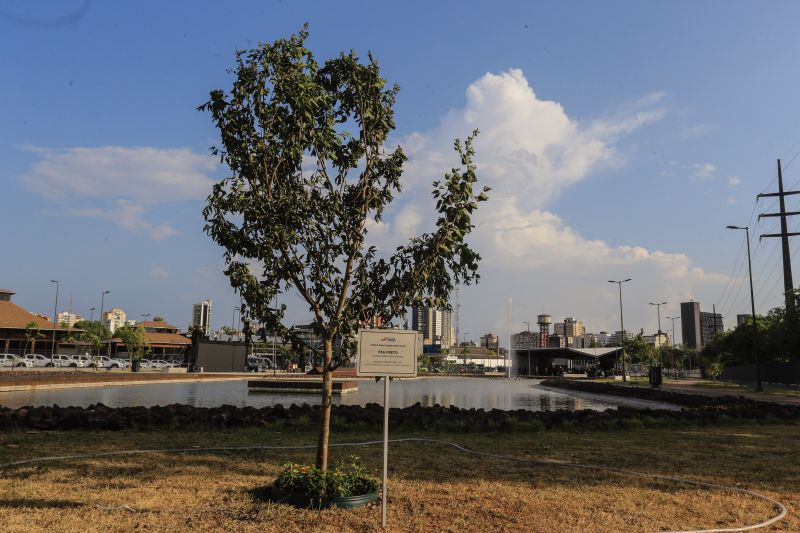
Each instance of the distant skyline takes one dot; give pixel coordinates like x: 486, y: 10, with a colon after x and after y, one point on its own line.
x: 619, y: 139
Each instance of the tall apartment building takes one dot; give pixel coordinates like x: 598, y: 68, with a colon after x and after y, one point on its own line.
x: 434, y: 324
x: 114, y: 319
x: 490, y: 341
x: 569, y: 328
x: 571, y: 331
x: 69, y: 318
x: 201, y: 316
x: 698, y: 327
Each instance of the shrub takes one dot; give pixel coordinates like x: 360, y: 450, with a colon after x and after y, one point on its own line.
x: 344, y: 479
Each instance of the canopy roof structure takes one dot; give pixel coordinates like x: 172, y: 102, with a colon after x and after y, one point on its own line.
x: 575, y: 353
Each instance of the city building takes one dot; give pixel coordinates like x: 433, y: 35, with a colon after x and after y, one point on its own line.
x: 435, y: 325
x: 201, y: 316
x: 114, y: 319
x: 698, y: 327
x: 490, y: 341
x: 69, y: 318
x: 659, y: 340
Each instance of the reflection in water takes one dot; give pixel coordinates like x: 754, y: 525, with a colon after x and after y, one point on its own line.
x: 462, y: 392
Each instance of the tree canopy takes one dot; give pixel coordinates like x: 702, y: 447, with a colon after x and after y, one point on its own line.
x: 311, y: 165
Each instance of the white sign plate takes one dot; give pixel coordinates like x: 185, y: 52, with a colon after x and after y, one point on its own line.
x: 388, y: 352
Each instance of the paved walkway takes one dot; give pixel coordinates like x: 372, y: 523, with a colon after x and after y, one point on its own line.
x: 689, y: 386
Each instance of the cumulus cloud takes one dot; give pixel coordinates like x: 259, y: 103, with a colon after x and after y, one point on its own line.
x: 704, y: 171
x: 734, y: 181
x: 528, y: 146
x: 529, y: 151
x: 142, y: 174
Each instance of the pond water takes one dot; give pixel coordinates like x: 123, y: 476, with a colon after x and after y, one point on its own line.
x: 461, y: 392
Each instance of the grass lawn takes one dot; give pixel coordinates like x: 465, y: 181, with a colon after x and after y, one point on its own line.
x: 432, y: 487
x: 739, y: 387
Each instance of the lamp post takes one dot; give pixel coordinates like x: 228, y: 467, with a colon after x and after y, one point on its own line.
x: 144, y: 316
x: 622, y: 327
x: 464, y: 347
x: 274, y: 365
x: 102, y: 302
x: 233, y: 321
x: 91, y: 314
x: 658, y: 335
x: 55, y: 318
x: 673, y: 318
x: 752, y: 307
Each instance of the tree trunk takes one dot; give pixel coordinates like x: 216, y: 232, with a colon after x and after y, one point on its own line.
x: 325, y: 407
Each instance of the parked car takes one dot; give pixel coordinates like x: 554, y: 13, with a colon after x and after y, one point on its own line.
x: 80, y: 361
x: 146, y: 363
x: 38, y: 360
x: 10, y: 360
x: 60, y: 360
x: 107, y: 362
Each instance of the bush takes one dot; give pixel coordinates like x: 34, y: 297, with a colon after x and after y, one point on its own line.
x: 345, y: 479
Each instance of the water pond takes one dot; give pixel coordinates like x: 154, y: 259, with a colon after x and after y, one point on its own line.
x: 461, y: 392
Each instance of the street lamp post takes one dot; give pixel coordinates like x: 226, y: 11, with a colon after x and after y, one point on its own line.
x: 233, y: 321
x: 144, y: 316
x: 673, y: 318
x: 660, y: 351
x: 102, y: 302
x: 622, y: 327
x: 91, y: 314
x: 752, y: 307
x: 464, y: 347
x: 55, y: 318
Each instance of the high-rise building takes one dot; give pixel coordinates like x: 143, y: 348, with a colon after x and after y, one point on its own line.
x: 490, y: 341
x: 69, y: 318
x: 201, y: 316
x: 434, y: 324
x: 114, y: 319
x: 698, y: 327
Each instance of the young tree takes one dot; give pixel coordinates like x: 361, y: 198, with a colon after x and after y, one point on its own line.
x: 133, y: 339
x: 32, y: 332
x: 306, y: 145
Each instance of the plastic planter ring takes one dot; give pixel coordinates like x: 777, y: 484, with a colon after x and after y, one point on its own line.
x: 321, y: 502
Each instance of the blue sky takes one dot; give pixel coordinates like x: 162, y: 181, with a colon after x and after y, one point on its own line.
x: 620, y: 138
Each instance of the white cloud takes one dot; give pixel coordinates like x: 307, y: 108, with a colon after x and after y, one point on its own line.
x: 704, y: 171
x: 731, y: 200
x: 529, y: 151
x: 128, y: 216
x: 734, y: 181
x: 143, y: 174
x: 134, y: 177
x: 527, y: 147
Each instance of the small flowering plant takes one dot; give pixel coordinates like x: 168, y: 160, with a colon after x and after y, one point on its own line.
x: 344, y: 479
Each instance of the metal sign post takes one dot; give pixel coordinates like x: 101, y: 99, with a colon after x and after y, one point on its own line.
x: 387, y: 353
x: 385, y: 449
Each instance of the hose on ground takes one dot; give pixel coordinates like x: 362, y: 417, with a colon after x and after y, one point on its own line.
x: 778, y: 506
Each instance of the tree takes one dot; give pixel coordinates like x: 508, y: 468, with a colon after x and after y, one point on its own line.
x: 158, y: 318
x: 133, y: 339
x: 306, y: 145
x: 32, y: 332
x: 95, y: 327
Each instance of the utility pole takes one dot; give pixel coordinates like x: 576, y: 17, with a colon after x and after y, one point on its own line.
x: 788, y: 286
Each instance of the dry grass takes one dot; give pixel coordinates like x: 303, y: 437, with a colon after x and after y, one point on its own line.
x: 432, y: 487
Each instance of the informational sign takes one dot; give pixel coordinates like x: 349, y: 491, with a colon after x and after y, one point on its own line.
x: 388, y: 352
